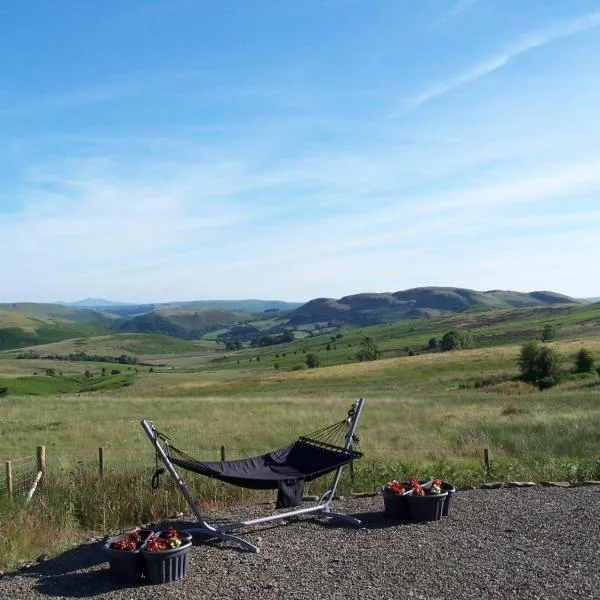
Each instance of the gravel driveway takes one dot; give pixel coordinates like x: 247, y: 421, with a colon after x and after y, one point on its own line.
x: 509, y: 543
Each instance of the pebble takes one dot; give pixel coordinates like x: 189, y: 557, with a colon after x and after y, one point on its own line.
x: 531, y: 542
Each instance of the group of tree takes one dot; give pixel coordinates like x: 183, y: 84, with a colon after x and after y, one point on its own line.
x: 456, y: 340
x: 368, y: 350
x: 541, y: 365
x: 123, y: 359
x: 272, y: 340
x: 233, y: 342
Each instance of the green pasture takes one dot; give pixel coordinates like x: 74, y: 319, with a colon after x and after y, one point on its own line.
x: 420, y: 410
x: 427, y: 415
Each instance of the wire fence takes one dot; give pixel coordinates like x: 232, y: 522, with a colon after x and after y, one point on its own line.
x: 19, y: 475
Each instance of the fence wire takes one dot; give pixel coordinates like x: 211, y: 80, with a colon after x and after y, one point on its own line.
x: 23, y: 471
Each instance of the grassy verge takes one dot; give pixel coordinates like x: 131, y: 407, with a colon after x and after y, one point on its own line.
x: 71, y: 506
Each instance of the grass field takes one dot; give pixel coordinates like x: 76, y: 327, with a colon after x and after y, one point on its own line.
x: 430, y: 414
x: 427, y: 407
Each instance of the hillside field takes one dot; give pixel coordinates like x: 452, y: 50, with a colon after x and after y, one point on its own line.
x: 422, y: 410
x: 427, y: 414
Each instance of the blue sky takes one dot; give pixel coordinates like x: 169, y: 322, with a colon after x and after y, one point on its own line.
x: 191, y: 149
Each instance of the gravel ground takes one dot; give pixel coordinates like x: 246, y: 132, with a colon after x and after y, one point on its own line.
x: 508, y: 543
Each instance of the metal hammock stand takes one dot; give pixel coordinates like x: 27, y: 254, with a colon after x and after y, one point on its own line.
x: 285, y: 469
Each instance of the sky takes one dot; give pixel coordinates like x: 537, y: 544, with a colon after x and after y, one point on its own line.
x: 162, y: 150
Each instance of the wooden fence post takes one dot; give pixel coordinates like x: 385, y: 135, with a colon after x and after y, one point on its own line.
x: 222, y: 453
x: 41, y: 459
x: 101, y: 461
x: 486, y: 459
x: 9, y: 479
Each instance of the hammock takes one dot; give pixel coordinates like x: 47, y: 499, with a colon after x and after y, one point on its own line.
x: 311, y: 456
x: 285, y: 469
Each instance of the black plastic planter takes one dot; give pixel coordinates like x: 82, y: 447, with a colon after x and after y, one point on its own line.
x: 127, y: 565
x: 396, y: 505
x: 427, y: 508
x: 449, y: 489
x: 167, y: 565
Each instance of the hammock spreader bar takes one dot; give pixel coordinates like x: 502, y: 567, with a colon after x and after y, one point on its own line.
x: 285, y: 469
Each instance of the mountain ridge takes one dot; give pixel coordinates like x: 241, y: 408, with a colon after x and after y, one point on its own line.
x: 25, y: 324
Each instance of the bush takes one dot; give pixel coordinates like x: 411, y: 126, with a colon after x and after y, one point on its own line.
x: 585, y: 362
x: 548, y: 333
x: 368, y: 350
x: 312, y: 361
x: 539, y: 364
x: 456, y: 340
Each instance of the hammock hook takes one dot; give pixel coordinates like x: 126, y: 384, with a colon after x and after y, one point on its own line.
x: 156, y: 478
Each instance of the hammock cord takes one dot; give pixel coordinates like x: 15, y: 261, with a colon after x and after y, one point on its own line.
x: 332, y: 437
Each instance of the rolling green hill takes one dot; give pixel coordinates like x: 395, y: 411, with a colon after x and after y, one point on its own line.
x: 371, y: 309
x: 27, y: 324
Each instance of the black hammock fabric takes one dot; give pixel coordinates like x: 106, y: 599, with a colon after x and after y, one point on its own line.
x: 303, y: 460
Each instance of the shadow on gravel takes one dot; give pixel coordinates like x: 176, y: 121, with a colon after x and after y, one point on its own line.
x: 81, y: 585
x: 75, y: 573
x: 368, y: 520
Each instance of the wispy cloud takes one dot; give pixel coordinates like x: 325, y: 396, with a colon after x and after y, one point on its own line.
x: 528, y: 42
x: 206, y: 229
x: 459, y: 7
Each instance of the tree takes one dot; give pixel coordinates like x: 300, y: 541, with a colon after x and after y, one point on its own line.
x: 368, y: 350
x: 432, y: 344
x: 528, y: 361
x: 585, y: 361
x: 456, y: 340
x: 312, y: 361
x: 539, y: 364
x: 548, y: 333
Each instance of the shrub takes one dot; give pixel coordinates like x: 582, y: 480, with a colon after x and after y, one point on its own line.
x: 456, y: 340
x: 539, y: 364
x: 312, y: 361
x: 585, y: 361
x: 368, y: 350
x: 548, y: 333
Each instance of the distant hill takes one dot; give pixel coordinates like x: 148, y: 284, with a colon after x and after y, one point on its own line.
x: 94, y: 303
x: 373, y: 309
x: 132, y: 309
x: 26, y: 324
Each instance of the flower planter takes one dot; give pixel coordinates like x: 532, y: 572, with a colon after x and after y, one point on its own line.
x: 449, y: 489
x: 167, y: 565
x: 446, y: 487
x: 396, y: 505
x: 127, y: 565
x: 426, y: 508
x: 184, y: 536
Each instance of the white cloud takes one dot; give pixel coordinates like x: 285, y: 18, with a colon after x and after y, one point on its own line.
x: 528, y: 42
